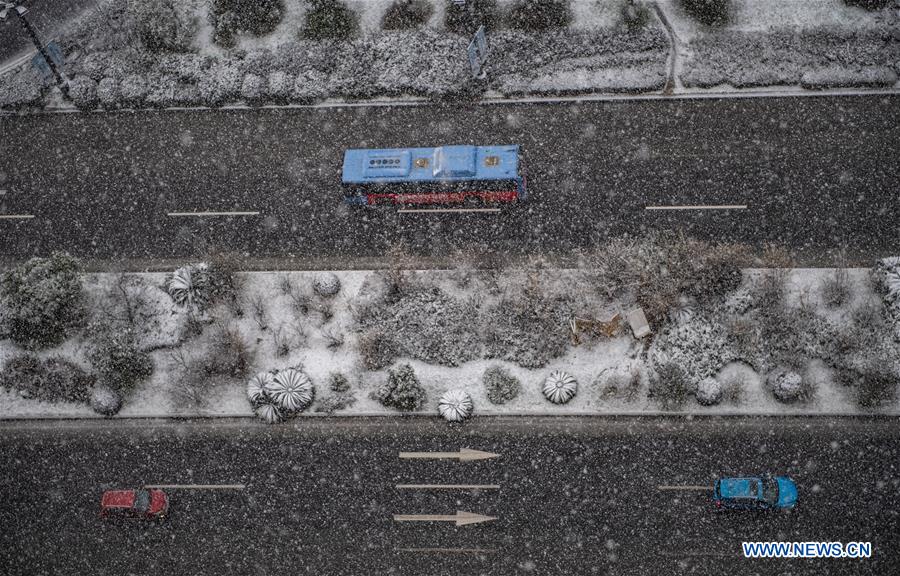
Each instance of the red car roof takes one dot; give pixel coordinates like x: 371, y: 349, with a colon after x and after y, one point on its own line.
x: 118, y: 499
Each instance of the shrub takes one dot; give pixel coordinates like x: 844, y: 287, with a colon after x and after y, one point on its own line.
x: 718, y: 273
x: 465, y: 19
x: 329, y: 19
x: 876, y: 385
x: 785, y: 385
x: 709, y: 391
x: 160, y: 26
x: 258, y: 17
x: 377, y: 350
x: 635, y: 14
x: 116, y: 358
x: 83, y: 92
x: 709, y: 12
x: 51, y: 380
x: 327, y: 284
x: 405, y: 14
x: 226, y: 353
x: 869, y: 4
x: 42, y: 301
x: 669, y: 385
x: 560, y: 387
x: 105, y: 401
x: 337, y: 382
x: 402, y: 390
x: 836, y: 288
x: 501, y: 386
x: 539, y: 15
x: 620, y: 384
x: 335, y: 402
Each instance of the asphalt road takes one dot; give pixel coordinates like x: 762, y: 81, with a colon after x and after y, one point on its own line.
x: 576, y: 496
x: 817, y: 173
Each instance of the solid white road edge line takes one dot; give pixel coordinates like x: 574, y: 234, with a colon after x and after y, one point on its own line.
x: 700, y: 207
x: 176, y: 214
x: 684, y: 487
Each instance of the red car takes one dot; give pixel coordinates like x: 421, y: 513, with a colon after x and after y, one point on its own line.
x: 146, y: 504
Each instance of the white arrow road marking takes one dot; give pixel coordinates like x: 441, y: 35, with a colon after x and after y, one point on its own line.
x: 448, y: 486
x: 198, y: 486
x: 700, y: 207
x: 440, y: 210
x: 177, y: 214
x: 686, y: 487
x: 464, y: 455
x: 460, y: 518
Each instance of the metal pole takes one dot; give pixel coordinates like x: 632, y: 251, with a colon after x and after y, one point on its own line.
x: 63, y: 86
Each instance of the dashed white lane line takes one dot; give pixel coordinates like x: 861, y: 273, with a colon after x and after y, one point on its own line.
x: 450, y: 210
x: 448, y: 486
x: 449, y: 550
x: 700, y: 207
x: 686, y: 487
x: 16, y: 216
x: 197, y: 486
x: 178, y: 214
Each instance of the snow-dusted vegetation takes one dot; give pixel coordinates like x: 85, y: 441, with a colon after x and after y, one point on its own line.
x: 756, y: 340
x: 159, y: 53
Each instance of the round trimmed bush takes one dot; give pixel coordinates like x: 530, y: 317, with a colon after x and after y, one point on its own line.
x: 402, y: 390
x: 116, y: 358
x: 83, y: 92
x: 230, y: 17
x: 709, y: 391
x: 501, y: 386
x: 327, y: 284
x: 105, y: 401
x: 329, y: 19
x: 787, y: 386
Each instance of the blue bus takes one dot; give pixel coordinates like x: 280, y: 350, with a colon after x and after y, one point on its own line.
x: 445, y: 174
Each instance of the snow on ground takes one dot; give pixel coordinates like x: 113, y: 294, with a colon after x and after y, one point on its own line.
x: 276, y: 293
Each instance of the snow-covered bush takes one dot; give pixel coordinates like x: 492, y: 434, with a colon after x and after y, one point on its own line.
x: 620, y: 383
x: 116, y: 358
x: 279, y: 86
x: 329, y: 19
x: 377, y: 349
x: 700, y: 347
x: 310, y: 85
x: 405, y: 14
x: 41, y: 301
x: 252, y: 88
x: 337, y: 382
x: 335, y: 402
x: 327, y: 284
x: 291, y: 390
x: 108, y: 93
x: 870, y: 4
x: 21, y: 89
x: 635, y: 14
x: 83, y: 91
x: 220, y: 84
x: 133, y: 90
x: 52, y: 379
x: 527, y: 329
x: 886, y: 278
x: 160, y: 26
x: 225, y: 352
x: 669, y: 385
x: 402, y: 390
x: 268, y: 411
x: 465, y: 19
x: 455, y: 405
x: 230, y: 17
x: 501, y: 386
x: 540, y: 15
x: 560, y: 387
x: 426, y: 324
x: 786, y: 386
x: 874, y: 381
x: 709, y: 12
x: 105, y: 400
x: 709, y: 391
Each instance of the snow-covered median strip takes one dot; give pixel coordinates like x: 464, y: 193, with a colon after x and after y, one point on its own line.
x: 466, y: 342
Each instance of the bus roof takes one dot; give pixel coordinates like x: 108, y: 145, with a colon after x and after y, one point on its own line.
x: 465, y: 162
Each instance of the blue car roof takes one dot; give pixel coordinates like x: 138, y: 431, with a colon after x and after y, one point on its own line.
x: 739, y: 488
x: 465, y: 162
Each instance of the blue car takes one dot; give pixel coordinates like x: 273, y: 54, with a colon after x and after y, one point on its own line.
x: 755, y: 493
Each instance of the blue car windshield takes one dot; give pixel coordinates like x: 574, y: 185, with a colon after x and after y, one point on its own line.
x: 770, y: 491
